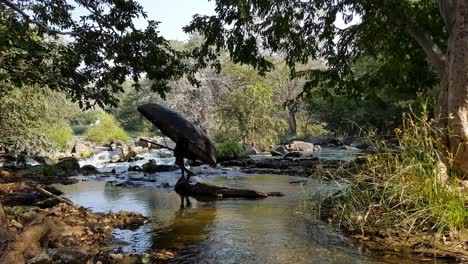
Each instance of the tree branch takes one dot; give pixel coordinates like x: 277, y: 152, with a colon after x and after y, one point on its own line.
x: 38, y: 23
x: 447, y: 10
x: 434, y: 54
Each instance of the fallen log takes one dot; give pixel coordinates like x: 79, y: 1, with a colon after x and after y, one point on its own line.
x: 203, y: 189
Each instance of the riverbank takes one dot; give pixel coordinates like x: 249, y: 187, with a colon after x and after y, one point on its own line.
x: 396, y: 212
x: 39, y: 226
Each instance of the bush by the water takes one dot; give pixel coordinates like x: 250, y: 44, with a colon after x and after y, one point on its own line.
x: 408, y: 188
x: 108, y: 130
x: 60, y: 136
x: 229, y: 150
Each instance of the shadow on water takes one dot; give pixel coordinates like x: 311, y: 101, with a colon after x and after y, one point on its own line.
x: 271, y: 230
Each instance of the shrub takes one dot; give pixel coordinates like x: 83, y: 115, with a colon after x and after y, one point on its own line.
x: 407, y: 188
x: 315, y: 131
x: 107, y: 131
x: 229, y: 150
x: 26, y: 117
x: 60, y: 136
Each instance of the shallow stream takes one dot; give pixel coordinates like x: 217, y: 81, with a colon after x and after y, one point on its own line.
x: 271, y: 230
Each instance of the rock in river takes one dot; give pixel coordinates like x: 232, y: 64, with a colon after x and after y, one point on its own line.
x: 152, y: 167
x: 278, y: 150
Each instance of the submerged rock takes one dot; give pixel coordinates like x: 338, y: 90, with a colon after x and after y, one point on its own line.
x: 134, y: 168
x: 152, y: 167
x: 137, y: 177
x: 165, y: 168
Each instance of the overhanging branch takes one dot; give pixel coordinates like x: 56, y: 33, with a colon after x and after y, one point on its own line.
x: 434, y: 54
x: 28, y: 19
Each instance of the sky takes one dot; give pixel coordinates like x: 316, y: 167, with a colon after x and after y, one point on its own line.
x: 174, y: 14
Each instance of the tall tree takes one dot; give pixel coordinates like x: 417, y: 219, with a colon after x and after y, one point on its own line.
x: 83, y: 47
x: 434, y: 29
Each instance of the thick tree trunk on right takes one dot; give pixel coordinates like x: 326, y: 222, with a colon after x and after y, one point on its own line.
x: 454, y: 87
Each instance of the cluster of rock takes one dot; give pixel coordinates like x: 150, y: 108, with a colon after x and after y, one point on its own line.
x: 152, y: 167
x: 282, y: 166
x: 295, y: 149
x: 125, y: 151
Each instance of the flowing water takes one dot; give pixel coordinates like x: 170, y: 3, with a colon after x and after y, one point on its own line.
x: 271, y: 230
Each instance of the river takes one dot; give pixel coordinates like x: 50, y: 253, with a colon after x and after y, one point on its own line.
x: 271, y: 230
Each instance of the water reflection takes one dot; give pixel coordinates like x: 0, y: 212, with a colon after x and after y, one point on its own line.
x: 188, y: 225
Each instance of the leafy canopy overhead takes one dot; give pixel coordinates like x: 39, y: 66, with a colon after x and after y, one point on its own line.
x: 389, y: 32
x: 43, y: 42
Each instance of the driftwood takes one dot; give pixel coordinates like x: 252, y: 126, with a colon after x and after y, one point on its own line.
x: 44, y: 191
x: 203, y: 189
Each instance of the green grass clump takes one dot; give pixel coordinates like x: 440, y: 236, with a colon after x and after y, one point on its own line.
x: 229, y: 150
x: 107, y: 131
x: 404, y: 187
x: 60, y: 136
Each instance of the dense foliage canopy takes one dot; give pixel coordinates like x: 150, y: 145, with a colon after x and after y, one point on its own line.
x: 376, y: 50
x: 84, y: 48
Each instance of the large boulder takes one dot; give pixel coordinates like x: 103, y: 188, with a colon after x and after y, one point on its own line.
x: 152, y: 167
x: 138, y: 149
x: 300, y: 146
x: 142, y: 143
x: 68, y: 165
x: 124, y: 149
x: 89, y: 170
x: 81, y: 150
x: 79, y: 147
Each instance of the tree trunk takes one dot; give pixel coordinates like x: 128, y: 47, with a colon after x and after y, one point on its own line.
x: 292, y: 121
x: 455, y: 87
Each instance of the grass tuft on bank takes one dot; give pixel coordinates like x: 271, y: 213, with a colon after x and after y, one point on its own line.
x: 402, y: 187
